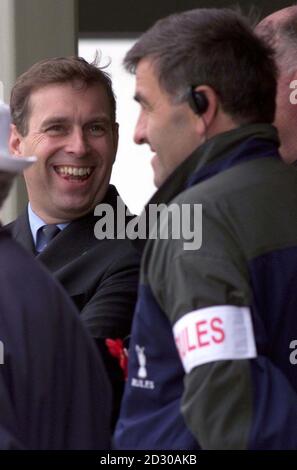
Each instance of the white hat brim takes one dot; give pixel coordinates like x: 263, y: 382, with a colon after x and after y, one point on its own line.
x: 15, y: 164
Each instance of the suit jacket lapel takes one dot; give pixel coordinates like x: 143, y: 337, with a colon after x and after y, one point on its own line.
x: 70, y: 243
x: 21, y: 232
x: 76, y: 239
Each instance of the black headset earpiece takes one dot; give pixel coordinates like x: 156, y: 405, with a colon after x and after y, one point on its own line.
x: 198, y: 101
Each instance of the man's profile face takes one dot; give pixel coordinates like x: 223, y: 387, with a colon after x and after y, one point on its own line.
x: 285, y: 117
x: 169, y: 129
x: 75, y: 141
x: 286, y: 111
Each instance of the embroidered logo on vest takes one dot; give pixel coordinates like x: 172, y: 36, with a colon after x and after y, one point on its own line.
x: 141, y: 381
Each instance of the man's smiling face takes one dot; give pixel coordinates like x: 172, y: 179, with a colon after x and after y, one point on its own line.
x: 169, y: 129
x: 71, y: 132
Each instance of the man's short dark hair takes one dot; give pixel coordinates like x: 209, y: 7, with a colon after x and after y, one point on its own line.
x: 56, y: 70
x: 214, y: 47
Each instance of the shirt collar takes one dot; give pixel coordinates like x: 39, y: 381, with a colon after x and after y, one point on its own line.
x: 36, y: 223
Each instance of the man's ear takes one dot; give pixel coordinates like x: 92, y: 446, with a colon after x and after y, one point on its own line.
x: 14, y: 141
x: 211, y: 98
x: 213, y: 119
x: 115, y: 138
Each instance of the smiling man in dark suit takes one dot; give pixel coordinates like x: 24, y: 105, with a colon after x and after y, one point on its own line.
x: 43, y: 350
x: 63, y: 111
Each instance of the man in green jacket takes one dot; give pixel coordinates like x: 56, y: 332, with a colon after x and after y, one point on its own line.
x: 210, y: 361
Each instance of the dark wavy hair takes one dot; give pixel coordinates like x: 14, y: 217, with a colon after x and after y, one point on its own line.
x: 214, y: 47
x: 55, y: 70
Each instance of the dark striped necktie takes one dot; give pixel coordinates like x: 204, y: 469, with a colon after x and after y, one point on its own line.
x: 48, y: 232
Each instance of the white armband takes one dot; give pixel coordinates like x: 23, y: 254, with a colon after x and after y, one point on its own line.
x: 216, y: 333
